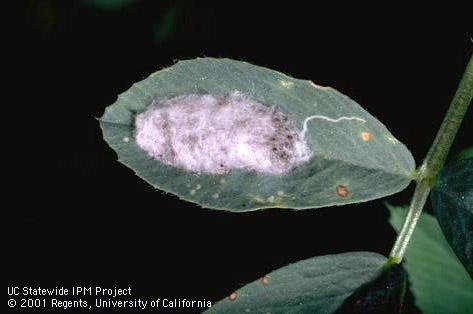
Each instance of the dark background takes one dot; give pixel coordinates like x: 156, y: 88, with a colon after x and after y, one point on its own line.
x: 75, y: 216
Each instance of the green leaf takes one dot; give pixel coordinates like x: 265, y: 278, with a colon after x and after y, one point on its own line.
x: 385, y: 294
x: 167, y: 24
x: 452, y: 200
x: 439, y: 282
x: 466, y: 153
x: 315, y: 285
x: 353, y: 160
x: 110, y: 4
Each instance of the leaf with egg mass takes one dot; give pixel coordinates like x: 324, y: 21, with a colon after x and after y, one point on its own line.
x: 354, y: 158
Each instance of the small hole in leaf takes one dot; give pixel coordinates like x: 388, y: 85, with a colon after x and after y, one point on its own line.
x: 243, y: 205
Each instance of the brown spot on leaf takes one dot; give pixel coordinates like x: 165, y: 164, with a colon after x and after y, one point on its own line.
x: 365, y: 136
x: 265, y: 280
x: 233, y: 296
x: 342, y: 191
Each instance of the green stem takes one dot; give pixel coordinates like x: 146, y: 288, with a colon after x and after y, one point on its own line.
x: 435, y: 160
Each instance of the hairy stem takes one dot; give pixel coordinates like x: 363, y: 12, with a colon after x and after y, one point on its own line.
x: 434, y: 160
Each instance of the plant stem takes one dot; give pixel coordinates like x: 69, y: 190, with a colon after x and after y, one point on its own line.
x: 435, y: 160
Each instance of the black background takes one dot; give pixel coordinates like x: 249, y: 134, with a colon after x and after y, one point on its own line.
x: 75, y: 216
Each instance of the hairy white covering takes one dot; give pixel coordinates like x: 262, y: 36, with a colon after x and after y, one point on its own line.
x: 213, y: 134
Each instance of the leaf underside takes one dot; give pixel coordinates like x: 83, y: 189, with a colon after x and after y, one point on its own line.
x: 315, y: 285
x: 452, y: 201
x: 385, y: 294
x: 438, y: 280
x: 367, y: 167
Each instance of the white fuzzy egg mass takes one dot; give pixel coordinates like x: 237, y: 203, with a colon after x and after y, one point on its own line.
x: 214, y: 134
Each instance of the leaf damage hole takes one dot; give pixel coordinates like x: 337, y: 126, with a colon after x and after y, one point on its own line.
x: 342, y: 191
x: 213, y: 134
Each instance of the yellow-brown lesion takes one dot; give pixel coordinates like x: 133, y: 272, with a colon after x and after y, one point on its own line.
x: 365, y: 136
x: 276, y: 200
x: 319, y: 86
x: 342, y: 191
